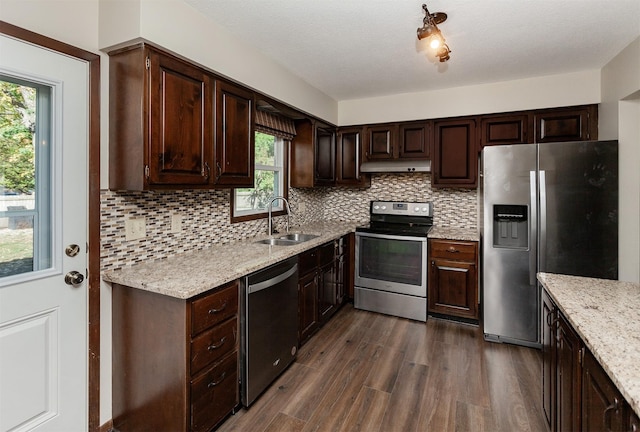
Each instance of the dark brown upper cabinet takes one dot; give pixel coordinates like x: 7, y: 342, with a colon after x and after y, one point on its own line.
x: 160, y: 127
x: 325, y: 152
x: 512, y: 128
x: 578, y: 123
x: 380, y: 142
x: 235, y: 138
x: 414, y: 140
x: 313, y: 155
x: 408, y: 140
x: 455, y: 154
x: 349, y: 157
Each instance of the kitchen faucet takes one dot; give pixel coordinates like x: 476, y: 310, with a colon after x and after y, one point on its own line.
x: 269, y: 230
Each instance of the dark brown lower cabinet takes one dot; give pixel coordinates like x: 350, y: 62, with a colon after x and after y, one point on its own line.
x: 577, y: 394
x: 568, y: 371
x: 175, y: 362
x: 322, y: 285
x: 327, y: 282
x: 602, y: 403
x: 548, y: 360
x: 307, y: 294
x: 453, y: 278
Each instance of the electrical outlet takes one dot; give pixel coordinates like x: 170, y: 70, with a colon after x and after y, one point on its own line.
x: 135, y: 228
x: 176, y: 223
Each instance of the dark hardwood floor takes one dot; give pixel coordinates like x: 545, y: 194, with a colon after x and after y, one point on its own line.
x: 375, y: 373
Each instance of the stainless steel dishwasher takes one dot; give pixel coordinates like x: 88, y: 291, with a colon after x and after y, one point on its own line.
x: 269, y: 326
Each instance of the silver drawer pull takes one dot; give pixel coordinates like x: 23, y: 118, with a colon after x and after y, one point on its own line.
x: 218, y: 345
x: 215, y: 383
x: 215, y: 311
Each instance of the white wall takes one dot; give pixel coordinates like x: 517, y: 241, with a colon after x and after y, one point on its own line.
x: 541, y: 92
x: 619, y: 117
x: 178, y: 27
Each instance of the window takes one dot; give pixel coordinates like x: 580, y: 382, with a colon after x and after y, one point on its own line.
x: 270, y: 180
x: 25, y: 159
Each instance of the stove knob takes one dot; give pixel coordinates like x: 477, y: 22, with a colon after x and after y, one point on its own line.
x: 384, y: 207
x: 376, y: 207
x: 424, y: 209
x: 416, y: 209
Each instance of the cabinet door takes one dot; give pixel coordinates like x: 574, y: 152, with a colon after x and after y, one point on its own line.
x: 307, y: 306
x: 452, y: 288
x: 380, y: 142
x: 327, y: 283
x: 506, y: 129
x: 568, y: 124
x: 302, y: 169
x: 568, y: 378
x: 548, y: 358
x: 602, y: 403
x: 325, y: 157
x: 341, y: 279
x: 181, y: 140
x: 455, y: 161
x: 235, y: 141
x: 349, y: 148
x: 414, y: 140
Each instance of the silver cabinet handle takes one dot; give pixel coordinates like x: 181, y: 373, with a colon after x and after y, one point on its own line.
x: 214, y: 346
x: 215, y: 311
x: 218, y: 381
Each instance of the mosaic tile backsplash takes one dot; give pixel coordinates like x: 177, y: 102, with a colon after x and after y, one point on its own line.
x: 206, y: 219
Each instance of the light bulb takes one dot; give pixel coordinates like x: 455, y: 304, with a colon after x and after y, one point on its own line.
x: 435, y: 42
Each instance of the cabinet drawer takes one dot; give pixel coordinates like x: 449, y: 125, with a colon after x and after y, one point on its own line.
x: 213, y: 344
x: 214, y: 308
x: 307, y: 261
x: 455, y: 250
x: 214, y: 394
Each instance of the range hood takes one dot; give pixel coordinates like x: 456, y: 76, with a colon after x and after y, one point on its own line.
x: 396, y: 166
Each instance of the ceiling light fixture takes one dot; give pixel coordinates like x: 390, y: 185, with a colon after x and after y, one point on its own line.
x: 430, y: 30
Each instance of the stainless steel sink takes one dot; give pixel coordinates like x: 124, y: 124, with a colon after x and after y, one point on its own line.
x: 278, y: 242
x: 298, y: 237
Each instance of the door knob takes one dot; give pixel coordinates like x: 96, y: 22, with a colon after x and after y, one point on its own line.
x: 73, y: 278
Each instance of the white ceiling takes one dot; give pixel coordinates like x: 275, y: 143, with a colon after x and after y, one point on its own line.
x: 353, y: 49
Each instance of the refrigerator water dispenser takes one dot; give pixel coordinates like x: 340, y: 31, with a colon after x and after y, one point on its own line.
x: 510, y: 226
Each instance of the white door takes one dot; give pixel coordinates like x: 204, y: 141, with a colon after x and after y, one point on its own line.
x: 43, y: 320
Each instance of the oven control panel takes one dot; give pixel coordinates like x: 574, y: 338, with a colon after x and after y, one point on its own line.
x: 402, y: 208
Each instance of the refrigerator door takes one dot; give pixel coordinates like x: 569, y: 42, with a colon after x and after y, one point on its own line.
x: 579, y: 208
x: 510, y: 290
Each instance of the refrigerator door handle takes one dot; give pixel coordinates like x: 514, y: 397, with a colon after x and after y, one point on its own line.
x: 532, y: 228
x: 542, y: 243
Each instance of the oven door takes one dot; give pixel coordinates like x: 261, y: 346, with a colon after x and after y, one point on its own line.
x: 392, y: 263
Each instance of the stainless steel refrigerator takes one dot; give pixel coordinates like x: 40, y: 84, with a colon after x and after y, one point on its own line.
x: 549, y: 207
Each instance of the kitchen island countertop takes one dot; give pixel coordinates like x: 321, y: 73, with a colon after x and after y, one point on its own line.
x: 188, y: 274
x: 605, y: 315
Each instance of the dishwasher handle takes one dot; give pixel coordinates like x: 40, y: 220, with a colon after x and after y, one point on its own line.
x: 251, y: 288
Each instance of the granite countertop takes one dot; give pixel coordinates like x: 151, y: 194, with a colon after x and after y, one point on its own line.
x: 189, y: 274
x: 448, y: 233
x: 605, y: 315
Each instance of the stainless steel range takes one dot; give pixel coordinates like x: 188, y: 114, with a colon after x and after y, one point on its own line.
x: 391, y: 259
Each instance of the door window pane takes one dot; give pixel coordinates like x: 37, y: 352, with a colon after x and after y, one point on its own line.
x: 25, y: 236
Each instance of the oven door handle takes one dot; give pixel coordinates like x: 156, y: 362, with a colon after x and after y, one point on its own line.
x: 391, y: 236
